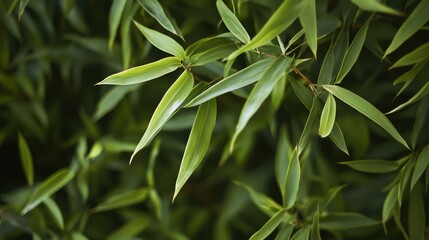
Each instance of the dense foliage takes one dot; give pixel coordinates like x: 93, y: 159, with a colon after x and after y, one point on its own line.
x: 294, y: 119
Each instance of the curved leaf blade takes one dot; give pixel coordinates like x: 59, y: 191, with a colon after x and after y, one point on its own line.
x: 372, y: 165
x: 389, y: 203
x: 345, y: 220
x: 111, y: 99
x: 309, y: 125
x: 233, y: 82
x: 375, y: 6
x: 114, y: 18
x: 55, y: 212
x: 162, y: 42
x: 154, y: 8
x: 420, y: 94
x: 367, y: 109
x: 308, y: 21
x: 143, y: 73
x: 263, y: 202
x: 292, y: 178
x: 419, y: 54
x: 327, y: 118
x: 302, y: 234
x: 122, y: 200
x: 232, y: 22
x: 26, y: 159
x: 416, y: 215
x: 337, y: 138
x: 269, y: 226
x: 48, y: 187
x: 198, y: 143
x: 422, y: 163
x: 172, y: 100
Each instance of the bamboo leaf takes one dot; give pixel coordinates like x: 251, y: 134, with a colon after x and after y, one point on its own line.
x: 285, y: 232
x: 327, y: 68
x: 420, y: 94
x: 353, y: 52
x: 55, y: 212
x: 281, y: 19
x: 337, y: 137
x: 26, y: 159
x: 232, y: 22
x: 308, y: 21
x: 233, y: 82
x: 375, y: 6
x: 122, y: 200
x: 172, y: 100
x: 143, y: 73
x: 367, y: 109
x: 302, y: 234
x: 422, y: 163
x: 419, y: 54
x: 114, y: 19
x: 389, y: 203
x: 372, y: 165
x: 416, y: 215
x: 411, y: 25
x: 345, y: 220
x: 198, y: 143
x: 130, y: 229
x: 327, y: 118
x: 309, y: 125
x: 22, y: 5
x: 315, y: 231
x: 291, y: 183
x: 111, y: 99
x: 162, y: 42
x: 154, y: 8
x: 263, y: 202
x: 48, y: 187
x: 269, y: 226
x: 283, y: 155
x: 260, y: 92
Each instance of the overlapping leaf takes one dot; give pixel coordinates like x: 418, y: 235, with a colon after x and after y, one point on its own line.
x: 327, y: 119
x: 308, y: 21
x: 269, y: 226
x: 232, y: 22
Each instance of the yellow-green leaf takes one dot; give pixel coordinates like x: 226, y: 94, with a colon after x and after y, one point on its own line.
x: 315, y: 231
x: 111, y: 99
x: 281, y: 19
x: 55, y: 212
x: 327, y: 119
x: 372, y: 165
x: 302, y: 234
x: 419, y: 54
x: 269, y: 226
x: 421, y: 93
x: 375, y: 6
x: 308, y: 21
x: 411, y: 25
x: 292, y: 178
x: 114, y: 18
x: 143, y: 73
x: 367, y: 109
x: 263, y: 202
x: 162, y: 42
x: 232, y: 22
x: 26, y: 159
x: 172, y: 100
x: 122, y: 200
x: 48, y: 187
x: 198, y: 142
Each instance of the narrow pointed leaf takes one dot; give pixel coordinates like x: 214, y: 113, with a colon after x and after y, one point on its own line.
x: 198, y: 142
x: 281, y: 19
x: 338, y: 138
x: 373, y: 165
x: 315, y: 231
x: 48, y: 187
x: 389, y: 203
x: 419, y: 54
x: 154, y: 8
x: 308, y: 21
x: 420, y: 94
x: 282, y: 159
x: 327, y: 68
x: 367, y: 109
x: 278, y: 93
x: 327, y: 118
x: 329, y: 196
x: 130, y: 229
x: 263, y: 202
x: 122, y: 200
x: 291, y: 183
x: 233, y: 82
x: 111, y: 99
x: 55, y: 212
x: 26, y: 159
x: 232, y: 22
x: 309, y: 125
x: 346, y: 220
x: 162, y: 42
x: 302, y: 234
x: 422, y: 163
x: 411, y: 25
x: 269, y: 226
x: 260, y: 92
x: 420, y: 121
x: 353, y: 52
x: 143, y: 73
x: 303, y: 93
x: 285, y: 232
x: 172, y: 100
x: 375, y: 6
x: 114, y: 19
x: 416, y: 215
x: 22, y: 5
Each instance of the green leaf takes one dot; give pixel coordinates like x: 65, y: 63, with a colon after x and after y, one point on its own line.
x: 411, y: 25
x: 420, y: 94
x: 233, y: 82
x: 129, y: 12
x: 353, y: 52
x: 122, y: 200
x: 285, y: 232
x: 302, y: 234
x: 308, y: 21
x: 154, y: 8
x: 232, y: 22
x: 114, y: 19
x: 327, y: 68
x: 315, y: 231
x: 389, y: 203
x: 420, y: 121
x: 416, y: 215
x: 372, y: 165
x: 260, y: 92
x: 55, y: 212
x: 329, y: 196
x: 156, y: 202
x: 344, y: 221
x: 111, y: 99
x: 422, y: 163
x: 48, y: 187
x: 309, y: 125
x: 263, y: 202
x: 410, y: 75
x: 130, y: 229
x: 78, y: 236
x: 375, y: 6
x: 162, y: 42
x: 303, y: 93
x: 198, y: 143
x: 22, y: 5
x: 327, y: 118
x: 366, y: 108
x: 338, y: 138
x: 419, y: 54
x: 143, y: 73
x: 278, y: 93
x: 283, y: 155
x: 269, y: 226
x: 172, y: 100
x: 291, y: 180
x: 281, y: 19
x: 26, y: 159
